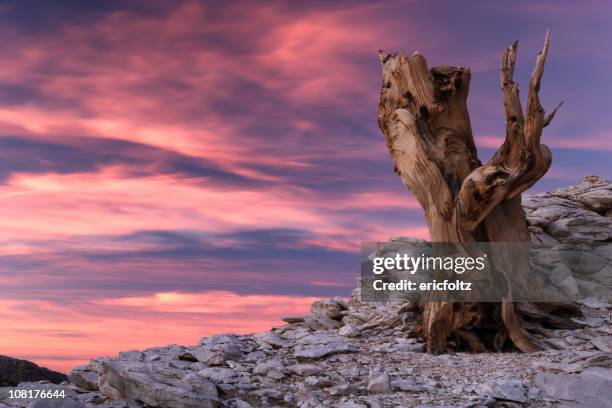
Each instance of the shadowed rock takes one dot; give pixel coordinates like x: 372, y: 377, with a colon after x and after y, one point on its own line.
x: 14, y: 371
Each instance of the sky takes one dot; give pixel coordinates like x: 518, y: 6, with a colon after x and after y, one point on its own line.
x: 170, y: 170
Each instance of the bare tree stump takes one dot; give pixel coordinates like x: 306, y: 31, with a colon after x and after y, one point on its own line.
x: 424, y: 117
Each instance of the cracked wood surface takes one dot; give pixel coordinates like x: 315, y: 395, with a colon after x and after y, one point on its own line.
x: 424, y: 117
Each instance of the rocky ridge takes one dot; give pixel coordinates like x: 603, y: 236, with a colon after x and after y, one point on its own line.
x: 14, y: 371
x: 350, y: 354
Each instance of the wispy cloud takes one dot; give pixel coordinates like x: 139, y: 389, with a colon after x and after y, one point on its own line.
x: 62, y: 336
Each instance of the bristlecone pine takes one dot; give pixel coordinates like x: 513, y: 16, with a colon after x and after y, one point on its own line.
x: 424, y: 117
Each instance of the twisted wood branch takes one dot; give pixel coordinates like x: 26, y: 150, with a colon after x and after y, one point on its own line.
x: 424, y: 117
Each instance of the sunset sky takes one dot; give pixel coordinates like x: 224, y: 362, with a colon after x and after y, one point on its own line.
x: 170, y: 170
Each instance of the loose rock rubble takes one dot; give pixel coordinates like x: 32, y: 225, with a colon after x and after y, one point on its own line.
x: 358, y: 355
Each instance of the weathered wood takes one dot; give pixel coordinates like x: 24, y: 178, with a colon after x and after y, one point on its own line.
x: 424, y: 117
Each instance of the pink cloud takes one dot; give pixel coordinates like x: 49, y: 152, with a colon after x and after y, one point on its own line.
x: 62, y: 336
x: 106, y: 203
x: 300, y: 58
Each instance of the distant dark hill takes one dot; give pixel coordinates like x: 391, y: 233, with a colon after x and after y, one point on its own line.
x: 14, y: 371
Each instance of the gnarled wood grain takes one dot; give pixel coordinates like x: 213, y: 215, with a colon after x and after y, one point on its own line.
x: 424, y: 117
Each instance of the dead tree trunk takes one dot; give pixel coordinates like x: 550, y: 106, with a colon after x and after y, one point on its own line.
x: 424, y: 117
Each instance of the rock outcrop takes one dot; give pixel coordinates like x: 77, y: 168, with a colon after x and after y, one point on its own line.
x: 349, y: 353
x: 579, y: 215
x: 14, y: 371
